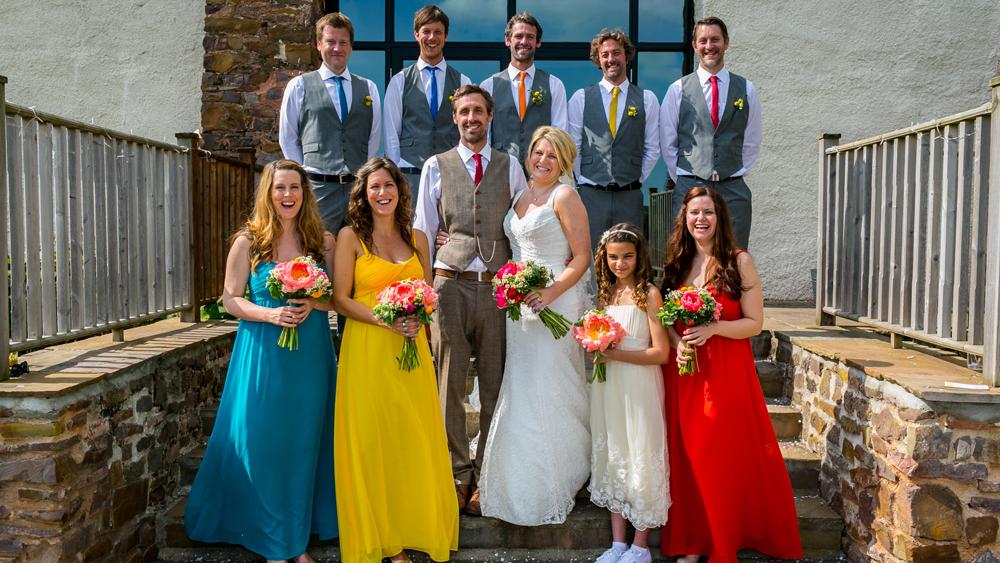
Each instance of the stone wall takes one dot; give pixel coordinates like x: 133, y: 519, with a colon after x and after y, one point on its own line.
x: 912, y: 482
x: 83, y: 475
x: 252, y: 49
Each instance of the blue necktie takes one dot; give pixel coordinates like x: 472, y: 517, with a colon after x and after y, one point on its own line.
x: 434, y: 91
x: 342, y: 96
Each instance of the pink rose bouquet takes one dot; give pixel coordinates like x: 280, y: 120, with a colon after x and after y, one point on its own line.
x: 297, y: 279
x: 515, y: 281
x: 406, y: 298
x: 597, y: 331
x: 690, y: 306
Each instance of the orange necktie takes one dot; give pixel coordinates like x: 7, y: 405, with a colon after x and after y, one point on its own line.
x: 520, y: 94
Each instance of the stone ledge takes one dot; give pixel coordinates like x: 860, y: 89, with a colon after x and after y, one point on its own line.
x: 919, y: 369
x: 63, y: 369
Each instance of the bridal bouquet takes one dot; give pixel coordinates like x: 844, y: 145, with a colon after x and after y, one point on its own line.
x: 690, y: 306
x: 597, y: 331
x: 517, y: 280
x: 406, y: 298
x: 297, y: 279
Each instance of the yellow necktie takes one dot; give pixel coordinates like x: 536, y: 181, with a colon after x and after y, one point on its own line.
x: 520, y: 94
x: 613, y: 111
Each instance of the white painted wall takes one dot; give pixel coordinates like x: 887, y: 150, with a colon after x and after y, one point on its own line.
x: 130, y: 65
x: 854, y: 67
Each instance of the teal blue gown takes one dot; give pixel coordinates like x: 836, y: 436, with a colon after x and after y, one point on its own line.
x: 266, y: 481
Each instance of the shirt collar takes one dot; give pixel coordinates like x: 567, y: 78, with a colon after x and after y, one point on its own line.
x: 325, y: 73
x: 607, y: 86
x: 704, y: 75
x: 466, y: 153
x: 513, y: 71
x: 422, y: 64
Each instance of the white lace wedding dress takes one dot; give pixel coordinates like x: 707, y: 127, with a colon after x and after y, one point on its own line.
x: 538, y: 451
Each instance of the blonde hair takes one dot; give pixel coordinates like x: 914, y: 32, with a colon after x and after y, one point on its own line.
x: 263, y: 227
x: 335, y: 20
x: 561, y: 142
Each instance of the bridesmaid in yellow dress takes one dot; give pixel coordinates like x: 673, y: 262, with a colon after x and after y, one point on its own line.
x: 393, y: 472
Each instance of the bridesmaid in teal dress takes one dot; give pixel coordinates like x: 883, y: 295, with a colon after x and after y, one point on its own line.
x: 266, y: 482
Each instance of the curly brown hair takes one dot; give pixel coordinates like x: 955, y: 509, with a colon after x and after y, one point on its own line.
x: 623, y: 232
x: 359, y: 211
x: 723, y: 271
x: 263, y: 227
x: 618, y: 35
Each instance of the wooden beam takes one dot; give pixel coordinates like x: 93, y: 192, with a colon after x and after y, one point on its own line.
x: 4, y: 303
x: 991, y: 344
x: 826, y: 181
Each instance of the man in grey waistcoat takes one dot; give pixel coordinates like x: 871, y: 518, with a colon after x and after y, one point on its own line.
x: 418, y: 104
x: 614, y: 124
x: 331, y: 120
x: 465, y: 193
x: 525, y: 97
x: 710, y: 128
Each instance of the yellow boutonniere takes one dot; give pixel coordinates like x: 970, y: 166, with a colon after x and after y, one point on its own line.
x: 537, y: 97
x: 451, y: 98
x: 632, y: 111
x: 739, y: 103
x: 368, y: 101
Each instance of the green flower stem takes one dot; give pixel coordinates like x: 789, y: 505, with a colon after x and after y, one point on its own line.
x: 408, y: 359
x: 557, y: 324
x: 600, y: 370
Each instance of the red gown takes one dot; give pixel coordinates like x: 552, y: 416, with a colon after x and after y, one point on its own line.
x: 728, y: 482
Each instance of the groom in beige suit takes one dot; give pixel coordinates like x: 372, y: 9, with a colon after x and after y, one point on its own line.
x: 465, y: 193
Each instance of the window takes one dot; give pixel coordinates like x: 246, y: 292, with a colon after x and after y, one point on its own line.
x: 660, y: 29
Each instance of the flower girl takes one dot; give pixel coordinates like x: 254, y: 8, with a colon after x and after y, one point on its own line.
x: 629, y: 460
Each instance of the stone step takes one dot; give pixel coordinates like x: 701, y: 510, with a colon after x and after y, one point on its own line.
x: 761, y: 345
x: 584, y: 534
x: 786, y: 420
x: 772, y: 377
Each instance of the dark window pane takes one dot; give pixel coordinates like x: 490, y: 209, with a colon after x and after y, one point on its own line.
x: 469, y: 20
x: 657, y: 71
x: 574, y: 74
x: 578, y: 20
x: 661, y: 20
x: 368, y: 17
x: 476, y: 70
x: 371, y: 65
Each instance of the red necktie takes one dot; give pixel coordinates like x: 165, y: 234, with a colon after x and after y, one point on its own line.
x: 479, y: 168
x: 715, y: 100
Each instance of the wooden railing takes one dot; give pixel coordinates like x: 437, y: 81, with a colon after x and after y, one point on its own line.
x: 103, y: 230
x: 659, y: 223
x: 909, y: 239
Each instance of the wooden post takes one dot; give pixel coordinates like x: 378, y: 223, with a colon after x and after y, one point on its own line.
x: 4, y: 302
x: 991, y: 344
x: 826, y: 173
x: 192, y: 142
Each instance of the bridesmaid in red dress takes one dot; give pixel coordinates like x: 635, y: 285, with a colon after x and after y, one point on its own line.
x: 728, y: 482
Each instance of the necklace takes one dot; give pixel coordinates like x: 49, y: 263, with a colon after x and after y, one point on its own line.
x: 536, y: 192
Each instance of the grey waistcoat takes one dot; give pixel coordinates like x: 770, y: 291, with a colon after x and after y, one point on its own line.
x: 419, y: 136
x: 473, y: 216
x: 509, y: 133
x: 604, y: 159
x: 328, y: 144
x: 701, y: 147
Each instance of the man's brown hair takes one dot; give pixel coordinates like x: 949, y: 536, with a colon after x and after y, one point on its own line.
x: 468, y: 90
x: 618, y: 35
x: 336, y: 20
x: 430, y: 14
x: 711, y: 20
x: 525, y: 18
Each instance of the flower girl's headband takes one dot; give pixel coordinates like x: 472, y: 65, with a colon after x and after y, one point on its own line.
x: 607, y: 234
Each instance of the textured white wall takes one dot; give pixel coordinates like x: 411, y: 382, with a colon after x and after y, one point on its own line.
x: 131, y: 65
x: 858, y: 68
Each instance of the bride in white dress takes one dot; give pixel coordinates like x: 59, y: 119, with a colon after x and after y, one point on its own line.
x: 538, y: 451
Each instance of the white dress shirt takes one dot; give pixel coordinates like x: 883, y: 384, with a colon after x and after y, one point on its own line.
x: 670, y: 115
x: 429, y: 195
x: 555, y: 87
x: 651, y: 142
x: 291, y: 105
x: 393, y: 115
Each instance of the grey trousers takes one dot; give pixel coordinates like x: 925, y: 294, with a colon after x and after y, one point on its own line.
x: 467, y: 324
x: 414, y: 188
x: 332, y: 198
x: 736, y: 195
x: 605, y: 209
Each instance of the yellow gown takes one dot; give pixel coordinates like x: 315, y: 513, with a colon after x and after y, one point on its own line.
x: 393, y: 473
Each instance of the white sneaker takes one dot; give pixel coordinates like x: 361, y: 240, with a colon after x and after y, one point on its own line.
x: 636, y: 555
x: 612, y: 555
